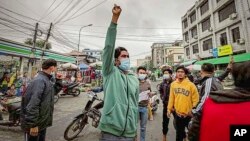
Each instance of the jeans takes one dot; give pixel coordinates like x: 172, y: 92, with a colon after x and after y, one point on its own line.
x: 181, y: 123
x: 143, y: 114
x: 165, y: 120
x: 41, y: 136
x: 109, y: 137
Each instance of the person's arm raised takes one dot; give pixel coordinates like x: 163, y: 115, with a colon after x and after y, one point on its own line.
x: 108, y: 52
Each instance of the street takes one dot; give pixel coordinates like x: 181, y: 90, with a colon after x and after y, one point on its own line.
x: 68, y: 107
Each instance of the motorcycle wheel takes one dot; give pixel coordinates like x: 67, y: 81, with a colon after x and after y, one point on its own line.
x: 56, y: 98
x: 75, y: 128
x: 76, y: 92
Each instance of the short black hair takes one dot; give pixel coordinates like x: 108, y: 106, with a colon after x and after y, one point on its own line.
x: 208, y: 67
x: 168, y: 70
x: 183, y: 68
x: 141, y: 68
x: 241, y: 75
x: 118, y: 51
x: 48, y: 63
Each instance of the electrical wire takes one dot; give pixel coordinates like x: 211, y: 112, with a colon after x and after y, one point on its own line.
x: 67, y: 12
x: 81, y: 8
x: 64, y: 9
x: 47, y: 10
x: 53, y: 9
x: 22, y: 15
x: 70, y: 18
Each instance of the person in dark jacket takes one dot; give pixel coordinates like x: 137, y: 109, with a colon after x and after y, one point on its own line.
x: 226, y: 107
x: 38, y: 103
x: 164, y: 90
x: 207, y: 83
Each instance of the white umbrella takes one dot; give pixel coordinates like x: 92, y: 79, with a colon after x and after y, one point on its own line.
x: 99, y: 63
x: 69, y: 66
x: 194, y: 67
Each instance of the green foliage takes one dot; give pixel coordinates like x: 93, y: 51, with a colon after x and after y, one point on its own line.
x: 39, y: 43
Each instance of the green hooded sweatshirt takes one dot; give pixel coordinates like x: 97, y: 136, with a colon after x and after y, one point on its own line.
x: 121, y: 94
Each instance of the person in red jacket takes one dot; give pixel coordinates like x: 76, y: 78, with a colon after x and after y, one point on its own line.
x: 227, y: 107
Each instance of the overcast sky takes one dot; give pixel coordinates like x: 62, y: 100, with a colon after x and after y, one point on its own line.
x: 141, y: 23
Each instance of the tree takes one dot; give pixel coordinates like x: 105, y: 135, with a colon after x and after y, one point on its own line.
x: 39, y: 43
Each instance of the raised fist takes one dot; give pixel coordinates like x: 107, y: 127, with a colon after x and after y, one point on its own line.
x: 116, y: 10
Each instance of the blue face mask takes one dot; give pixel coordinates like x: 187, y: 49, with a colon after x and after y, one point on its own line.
x: 125, y: 64
x: 142, y: 76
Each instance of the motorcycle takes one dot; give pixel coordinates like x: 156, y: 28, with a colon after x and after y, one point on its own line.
x: 80, y: 121
x: 11, y: 106
x: 71, y: 89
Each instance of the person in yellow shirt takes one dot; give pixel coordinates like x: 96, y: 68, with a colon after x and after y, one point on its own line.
x: 183, y: 98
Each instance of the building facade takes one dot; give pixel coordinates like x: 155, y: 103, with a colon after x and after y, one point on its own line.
x: 167, y: 53
x: 213, y: 26
x: 143, y: 62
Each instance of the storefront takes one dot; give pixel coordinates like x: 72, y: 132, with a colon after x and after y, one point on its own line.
x: 19, y: 55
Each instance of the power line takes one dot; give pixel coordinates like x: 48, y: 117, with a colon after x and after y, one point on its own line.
x: 15, y: 29
x: 81, y: 8
x: 68, y: 11
x: 64, y: 9
x: 47, y: 9
x: 22, y: 15
x: 16, y: 18
x: 29, y: 9
x: 54, y: 8
x: 6, y: 20
x: 85, y: 11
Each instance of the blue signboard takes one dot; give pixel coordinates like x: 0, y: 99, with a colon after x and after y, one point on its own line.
x: 215, y: 52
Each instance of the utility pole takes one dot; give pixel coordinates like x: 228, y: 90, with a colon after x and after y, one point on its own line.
x: 45, y: 44
x: 33, y: 50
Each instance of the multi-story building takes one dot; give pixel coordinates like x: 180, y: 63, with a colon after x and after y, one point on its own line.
x: 167, y: 53
x: 94, y: 53
x: 142, y: 62
x: 214, y: 28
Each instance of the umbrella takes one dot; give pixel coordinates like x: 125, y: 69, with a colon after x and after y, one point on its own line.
x: 194, y: 67
x: 83, y: 66
x: 68, y: 66
x: 99, y: 63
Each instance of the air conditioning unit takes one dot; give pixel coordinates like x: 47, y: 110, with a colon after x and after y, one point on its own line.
x: 210, y: 29
x: 233, y: 16
x: 195, y: 37
x: 210, y: 50
x: 241, y: 41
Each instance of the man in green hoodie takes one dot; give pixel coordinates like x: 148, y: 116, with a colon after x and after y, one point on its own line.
x: 121, y: 90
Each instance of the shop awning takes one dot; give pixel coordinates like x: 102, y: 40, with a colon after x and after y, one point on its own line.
x: 187, y: 63
x: 225, y: 60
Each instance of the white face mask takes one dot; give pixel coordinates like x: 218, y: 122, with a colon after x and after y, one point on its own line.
x: 141, y: 76
x: 166, y: 76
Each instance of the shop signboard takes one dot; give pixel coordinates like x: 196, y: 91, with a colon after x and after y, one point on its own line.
x: 225, y: 50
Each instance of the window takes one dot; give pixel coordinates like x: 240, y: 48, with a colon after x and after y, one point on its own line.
x: 185, y: 23
x: 236, y: 34
x: 204, y: 8
x: 227, y: 11
x: 195, y: 49
x: 194, y: 32
x: 186, y: 36
x: 206, y: 24
x: 223, y: 39
x: 207, y: 44
x: 187, y: 51
x: 193, y: 17
x: 179, y: 57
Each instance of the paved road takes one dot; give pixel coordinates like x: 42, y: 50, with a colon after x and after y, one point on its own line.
x: 68, y: 107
